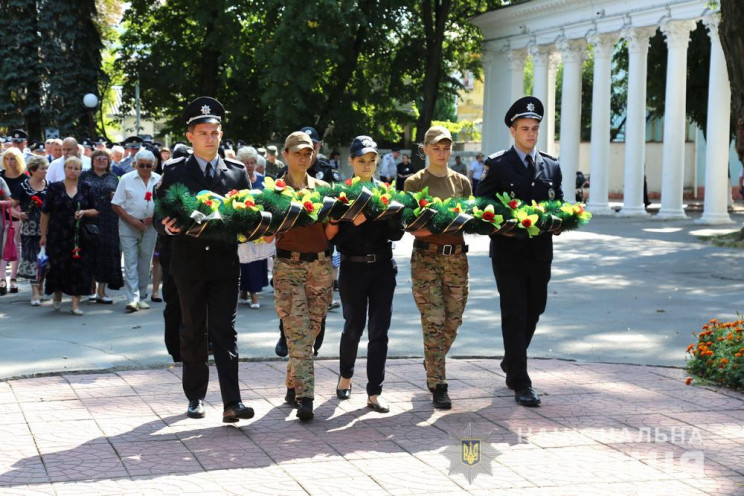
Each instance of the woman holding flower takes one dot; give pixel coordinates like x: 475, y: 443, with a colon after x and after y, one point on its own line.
x: 28, y: 198
x: 13, y: 168
x: 67, y: 206
x: 103, y: 181
x: 303, y: 278
x: 439, y: 264
x: 366, y: 282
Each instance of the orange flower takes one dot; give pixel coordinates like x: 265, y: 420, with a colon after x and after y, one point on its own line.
x: 724, y: 361
x: 688, y: 381
x: 737, y: 355
x: 720, y: 339
x: 689, y: 348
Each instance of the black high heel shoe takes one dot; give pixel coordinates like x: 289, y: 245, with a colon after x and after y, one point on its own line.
x: 343, y: 394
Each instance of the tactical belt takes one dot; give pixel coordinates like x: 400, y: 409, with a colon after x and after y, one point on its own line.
x: 440, y: 249
x: 304, y: 257
x: 368, y: 258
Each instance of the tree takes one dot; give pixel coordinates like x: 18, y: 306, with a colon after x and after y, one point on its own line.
x: 732, y: 40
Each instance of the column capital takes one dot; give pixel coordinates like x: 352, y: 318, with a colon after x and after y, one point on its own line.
x: 554, y: 61
x: 572, y: 50
x: 540, y: 53
x: 516, y: 58
x: 712, y: 21
x: 604, y: 44
x: 677, y: 33
x: 638, y: 38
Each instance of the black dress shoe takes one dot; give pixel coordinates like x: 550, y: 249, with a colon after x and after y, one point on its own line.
x: 305, y: 409
x: 378, y: 405
x: 441, y: 398
x: 343, y: 394
x: 526, y: 397
x: 237, y: 412
x: 196, y: 409
x: 281, y: 347
x: 290, y: 396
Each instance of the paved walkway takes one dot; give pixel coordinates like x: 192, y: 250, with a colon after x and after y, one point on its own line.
x: 602, y: 429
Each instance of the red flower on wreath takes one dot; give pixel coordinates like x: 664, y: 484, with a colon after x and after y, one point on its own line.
x: 488, y: 216
x: 348, y: 182
x: 37, y: 201
x: 423, y: 203
x: 526, y: 222
x: 384, y: 200
x: 309, y: 206
x: 513, y: 204
x: 280, y: 183
x: 250, y: 204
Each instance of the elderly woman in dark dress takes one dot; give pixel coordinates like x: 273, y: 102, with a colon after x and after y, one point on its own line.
x: 28, y: 197
x: 103, y: 182
x: 67, y: 206
x: 13, y: 168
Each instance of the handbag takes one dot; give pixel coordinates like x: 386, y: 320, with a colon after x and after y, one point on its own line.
x: 90, y: 233
x: 10, y: 251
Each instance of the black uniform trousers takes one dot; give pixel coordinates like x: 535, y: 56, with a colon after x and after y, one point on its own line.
x: 213, y: 305
x: 172, y: 309
x: 523, y: 294
x: 366, y: 288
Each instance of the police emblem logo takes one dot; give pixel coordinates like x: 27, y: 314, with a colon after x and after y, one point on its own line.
x: 471, y: 451
x: 551, y: 194
x: 16, y: 135
x: 369, y: 143
x: 530, y: 107
x: 205, y: 110
x: 319, y: 175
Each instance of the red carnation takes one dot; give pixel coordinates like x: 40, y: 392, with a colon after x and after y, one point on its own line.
x: 280, y: 183
x: 488, y: 216
x: 526, y: 222
x: 513, y: 204
x: 343, y: 199
x: 148, y: 195
x: 208, y: 203
x: 37, y: 201
x: 423, y: 203
x: 456, y: 210
x: 581, y: 210
x: 384, y: 200
x: 232, y: 192
x: 250, y: 204
x: 387, y: 185
x: 309, y: 206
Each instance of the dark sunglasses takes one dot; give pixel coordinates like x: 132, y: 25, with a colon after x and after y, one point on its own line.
x: 147, y: 166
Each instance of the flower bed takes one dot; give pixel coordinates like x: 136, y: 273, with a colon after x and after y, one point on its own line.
x: 718, y: 354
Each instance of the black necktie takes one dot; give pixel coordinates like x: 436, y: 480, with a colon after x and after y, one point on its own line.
x: 209, y: 171
x: 530, y: 166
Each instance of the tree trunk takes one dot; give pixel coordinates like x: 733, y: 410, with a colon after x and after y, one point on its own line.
x: 732, y: 39
x: 434, y: 16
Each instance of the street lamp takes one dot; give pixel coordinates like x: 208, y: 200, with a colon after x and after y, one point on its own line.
x: 90, y: 101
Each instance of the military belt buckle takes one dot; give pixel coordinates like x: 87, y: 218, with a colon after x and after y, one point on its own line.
x: 372, y: 258
x: 448, y: 249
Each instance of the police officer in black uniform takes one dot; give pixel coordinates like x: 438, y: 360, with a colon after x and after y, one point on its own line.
x: 206, y: 272
x: 521, y: 265
x: 325, y: 172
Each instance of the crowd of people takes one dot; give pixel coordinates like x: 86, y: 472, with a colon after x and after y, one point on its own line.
x: 86, y: 207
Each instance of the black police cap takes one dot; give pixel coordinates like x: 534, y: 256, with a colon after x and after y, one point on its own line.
x: 527, y: 107
x: 133, y: 142
x: 101, y: 140
x: 18, y: 135
x: 312, y: 132
x: 203, y: 109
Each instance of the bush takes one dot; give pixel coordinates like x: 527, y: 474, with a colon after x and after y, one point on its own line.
x: 718, y: 354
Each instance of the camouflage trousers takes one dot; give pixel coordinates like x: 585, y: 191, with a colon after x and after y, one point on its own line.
x: 302, y: 293
x: 440, y: 288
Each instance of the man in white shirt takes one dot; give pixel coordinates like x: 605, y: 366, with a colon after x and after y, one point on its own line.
x: 56, y: 170
x: 134, y: 204
x: 389, y: 166
x: 475, y: 171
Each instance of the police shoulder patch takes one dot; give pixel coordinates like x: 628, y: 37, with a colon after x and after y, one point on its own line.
x: 234, y: 163
x: 548, y: 156
x: 173, y: 161
x: 496, y: 155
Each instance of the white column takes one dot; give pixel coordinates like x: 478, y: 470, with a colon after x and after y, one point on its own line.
x: 540, y: 61
x: 495, y: 100
x: 573, y: 56
x: 516, y: 68
x: 547, y: 127
x: 635, y: 122
x: 677, y: 34
x: 717, y: 185
x: 600, y: 146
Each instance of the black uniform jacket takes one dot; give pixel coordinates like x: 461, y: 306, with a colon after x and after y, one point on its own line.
x: 505, y: 172
x: 198, y: 258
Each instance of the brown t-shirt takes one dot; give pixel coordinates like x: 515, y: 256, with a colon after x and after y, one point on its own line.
x: 453, y: 184
x: 306, y: 239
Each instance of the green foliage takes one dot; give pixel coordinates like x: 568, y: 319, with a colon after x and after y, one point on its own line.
x: 461, y: 131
